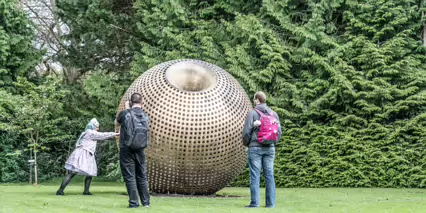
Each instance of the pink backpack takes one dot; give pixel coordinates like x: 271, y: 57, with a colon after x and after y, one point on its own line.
x: 268, y: 133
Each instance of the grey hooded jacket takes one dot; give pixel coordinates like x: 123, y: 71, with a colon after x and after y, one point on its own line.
x: 250, y: 132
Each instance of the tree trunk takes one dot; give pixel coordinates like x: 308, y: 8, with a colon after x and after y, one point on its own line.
x: 424, y: 35
x: 35, y: 168
x: 31, y: 168
x: 424, y: 25
x: 424, y: 30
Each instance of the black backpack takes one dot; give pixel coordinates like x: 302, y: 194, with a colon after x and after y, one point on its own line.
x: 137, y: 130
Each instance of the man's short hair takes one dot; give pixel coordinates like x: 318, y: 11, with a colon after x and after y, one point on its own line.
x: 260, y: 96
x: 136, y: 98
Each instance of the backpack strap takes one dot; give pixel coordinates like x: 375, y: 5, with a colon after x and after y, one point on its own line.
x: 129, y: 111
x: 258, y: 111
x: 133, y: 116
x: 261, y: 113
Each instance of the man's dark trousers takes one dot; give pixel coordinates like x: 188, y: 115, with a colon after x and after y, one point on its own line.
x: 134, y: 170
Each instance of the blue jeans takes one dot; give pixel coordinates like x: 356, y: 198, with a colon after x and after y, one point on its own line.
x: 259, y: 157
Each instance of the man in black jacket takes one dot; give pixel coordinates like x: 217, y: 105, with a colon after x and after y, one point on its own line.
x: 260, y: 155
x: 132, y: 162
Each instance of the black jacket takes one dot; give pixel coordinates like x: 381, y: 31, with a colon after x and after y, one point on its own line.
x: 250, y: 132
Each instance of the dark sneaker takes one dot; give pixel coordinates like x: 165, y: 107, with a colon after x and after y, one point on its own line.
x: 133, y: 206
x: 59, y: 192
x: 250, y: 206
x: 87, y: 193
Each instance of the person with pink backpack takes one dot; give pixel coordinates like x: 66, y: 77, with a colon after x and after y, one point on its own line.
x: 262, y: 130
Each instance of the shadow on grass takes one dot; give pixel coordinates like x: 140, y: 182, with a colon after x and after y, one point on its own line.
x: 95, y: 193
x: 197, y: 196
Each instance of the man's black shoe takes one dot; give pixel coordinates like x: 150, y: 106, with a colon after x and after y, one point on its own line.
x: 250, y: 206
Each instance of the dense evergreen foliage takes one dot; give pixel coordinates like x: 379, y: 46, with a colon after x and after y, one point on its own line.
x: 17, y: 54
x: 346, y: 77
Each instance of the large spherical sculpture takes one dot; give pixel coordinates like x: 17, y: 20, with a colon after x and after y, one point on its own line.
x: 197, y: 113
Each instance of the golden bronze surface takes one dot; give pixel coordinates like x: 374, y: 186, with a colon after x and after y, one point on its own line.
x: 197, y: 112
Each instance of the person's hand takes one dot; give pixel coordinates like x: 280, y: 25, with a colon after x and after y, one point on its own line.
x: 127, y: 104
x: 257, y: 123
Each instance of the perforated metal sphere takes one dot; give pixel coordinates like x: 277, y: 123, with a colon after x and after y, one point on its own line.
x: 197, y: 112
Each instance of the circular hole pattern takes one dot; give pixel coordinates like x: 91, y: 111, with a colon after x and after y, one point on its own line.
x: 196, y: 136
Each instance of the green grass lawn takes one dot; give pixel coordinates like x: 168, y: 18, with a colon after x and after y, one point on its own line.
x: 110, y: 197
